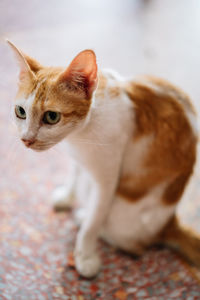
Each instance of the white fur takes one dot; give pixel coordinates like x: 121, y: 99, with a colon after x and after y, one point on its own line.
x: 131, y: 224
x: 26, y: 129
x: 134, y: 155
x: 187, y: 110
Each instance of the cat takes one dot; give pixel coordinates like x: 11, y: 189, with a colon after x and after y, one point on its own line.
x: 133, y: 145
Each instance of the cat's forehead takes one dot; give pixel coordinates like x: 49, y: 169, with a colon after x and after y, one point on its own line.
x: 36, y: 90
x: 46, y: 92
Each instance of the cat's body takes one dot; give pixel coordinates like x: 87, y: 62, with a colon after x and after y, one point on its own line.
x: 134, y: 142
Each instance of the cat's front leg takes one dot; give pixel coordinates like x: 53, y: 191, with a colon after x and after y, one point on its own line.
x: 63, y: 196
x: 86, y: 256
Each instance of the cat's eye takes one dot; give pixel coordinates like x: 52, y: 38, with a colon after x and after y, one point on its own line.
x: 51, y: 117
x: 20, y: 112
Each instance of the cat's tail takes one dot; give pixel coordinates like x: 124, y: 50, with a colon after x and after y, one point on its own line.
x: 182, y: 239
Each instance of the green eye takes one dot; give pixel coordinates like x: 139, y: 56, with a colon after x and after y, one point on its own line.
x: 51, y: 117
x: 20, y: 112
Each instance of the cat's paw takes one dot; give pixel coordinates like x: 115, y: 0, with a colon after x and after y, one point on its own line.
x: 87, y: 266
x: 62, y: 198
x: 79, y: 214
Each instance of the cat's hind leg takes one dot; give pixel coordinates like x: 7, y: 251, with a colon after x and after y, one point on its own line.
x: 63, y: 196
x: 134, y: 226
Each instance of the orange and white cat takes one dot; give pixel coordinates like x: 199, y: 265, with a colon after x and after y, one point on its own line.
x: 133, y: 144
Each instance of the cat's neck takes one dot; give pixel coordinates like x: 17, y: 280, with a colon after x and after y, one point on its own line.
x: 104, y: 102
x: 109, y: 106
x: 109, y: 84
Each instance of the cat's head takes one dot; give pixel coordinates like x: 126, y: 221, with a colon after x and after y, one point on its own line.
x: 51, y: 103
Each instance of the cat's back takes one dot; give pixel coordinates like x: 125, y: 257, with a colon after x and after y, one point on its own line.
x: 162, y: 147
x: 158, y: 102
x: 154, y: 99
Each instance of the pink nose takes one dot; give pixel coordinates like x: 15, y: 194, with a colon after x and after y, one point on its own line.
x: 28, y: 143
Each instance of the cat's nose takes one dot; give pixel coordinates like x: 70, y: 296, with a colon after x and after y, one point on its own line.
x: 27, y: 142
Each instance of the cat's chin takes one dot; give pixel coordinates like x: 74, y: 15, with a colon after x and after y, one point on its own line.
x: 40, y: 148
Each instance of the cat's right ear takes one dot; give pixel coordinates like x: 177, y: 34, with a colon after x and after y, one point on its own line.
x: 81, y: 74
x: 28, y: 66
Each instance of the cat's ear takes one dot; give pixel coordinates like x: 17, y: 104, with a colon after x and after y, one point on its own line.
x: 81, y: 75
x: 28, y: 66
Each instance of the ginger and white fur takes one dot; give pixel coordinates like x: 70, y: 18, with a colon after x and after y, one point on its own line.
x: 103, y: 150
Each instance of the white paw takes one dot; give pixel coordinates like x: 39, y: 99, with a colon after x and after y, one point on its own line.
x: 62, y: 198
x: 80, y: 216
x: 87, y: 266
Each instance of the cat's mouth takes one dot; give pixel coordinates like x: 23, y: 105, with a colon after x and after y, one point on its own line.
x: 37, y: 145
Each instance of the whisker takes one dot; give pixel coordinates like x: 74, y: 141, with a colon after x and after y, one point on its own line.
x: 84, y: 141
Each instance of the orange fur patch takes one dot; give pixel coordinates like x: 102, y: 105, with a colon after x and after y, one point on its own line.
x: 114, y: 92
x: 175, y: 189
x: 161, y: 113
x: 111, y: 91
x: 26, y: 87
x: 182, y: 239
x: 128, y: 189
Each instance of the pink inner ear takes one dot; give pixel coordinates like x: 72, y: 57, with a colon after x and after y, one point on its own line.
x: 82, y: 72
x: 25, y: 74
x: 22, y: 74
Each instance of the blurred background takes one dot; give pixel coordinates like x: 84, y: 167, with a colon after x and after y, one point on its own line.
x: 133, y: 37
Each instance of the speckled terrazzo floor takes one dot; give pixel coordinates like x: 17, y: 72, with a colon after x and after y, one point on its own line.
x: 36, y: 244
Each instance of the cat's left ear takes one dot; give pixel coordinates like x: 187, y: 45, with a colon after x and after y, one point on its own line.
x: 81, y: 75
x: 28, y: 65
